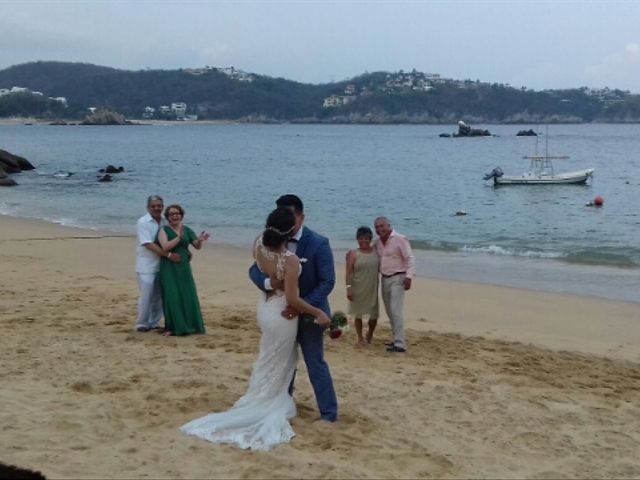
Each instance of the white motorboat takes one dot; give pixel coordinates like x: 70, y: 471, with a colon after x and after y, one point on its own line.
x: 541, y: 172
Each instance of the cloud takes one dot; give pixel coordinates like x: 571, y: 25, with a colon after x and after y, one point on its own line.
x: 215, y: 53
x: 620, y: 69
x: 633, y: 51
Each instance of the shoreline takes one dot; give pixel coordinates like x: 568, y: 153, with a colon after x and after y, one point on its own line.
x: 602, y: 282
x: 496, y: 383
x: 144, y: 121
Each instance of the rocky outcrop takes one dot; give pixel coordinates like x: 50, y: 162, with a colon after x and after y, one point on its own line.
x: 105, y: 174
x: 526, y: 133
x: 19, y: 163
x: 111, y: 169
x: 10, y: 163
x: 7, y: 182
x: 106, y: 117
x: 465, y: 130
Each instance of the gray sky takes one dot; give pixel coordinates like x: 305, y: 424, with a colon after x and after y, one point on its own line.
x: 537, y: 44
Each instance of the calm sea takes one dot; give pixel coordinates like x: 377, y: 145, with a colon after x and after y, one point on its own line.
x: 228, y: 176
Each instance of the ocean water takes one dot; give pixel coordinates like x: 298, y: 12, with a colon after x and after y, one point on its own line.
x: 227, y: 177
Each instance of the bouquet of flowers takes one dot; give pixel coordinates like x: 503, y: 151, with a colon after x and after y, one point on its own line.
x: 338, y: 324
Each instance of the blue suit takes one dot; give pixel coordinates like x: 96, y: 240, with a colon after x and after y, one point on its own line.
x: 316, y: 281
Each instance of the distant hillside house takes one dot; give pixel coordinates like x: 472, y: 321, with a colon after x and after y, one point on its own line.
x: 334, y: 101
x: 15, y: 90
x: 236, y: 74
x: 148, y: 112
x: 179, y: 109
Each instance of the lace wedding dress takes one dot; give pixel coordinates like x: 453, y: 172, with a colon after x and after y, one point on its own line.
x: 259, y: 420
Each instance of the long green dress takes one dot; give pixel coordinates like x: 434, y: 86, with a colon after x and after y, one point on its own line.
x: 179, y: 296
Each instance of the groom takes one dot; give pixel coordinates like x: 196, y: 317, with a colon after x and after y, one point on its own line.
x: 316, y: 282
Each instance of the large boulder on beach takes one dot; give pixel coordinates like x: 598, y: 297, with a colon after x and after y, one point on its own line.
x: 8, y: 162
x: 14, y: 163
x: 7, y: 182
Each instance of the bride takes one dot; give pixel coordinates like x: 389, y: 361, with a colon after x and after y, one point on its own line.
x: 259, y: 420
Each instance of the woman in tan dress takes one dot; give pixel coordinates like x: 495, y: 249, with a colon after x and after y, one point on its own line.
x: 362, y: 283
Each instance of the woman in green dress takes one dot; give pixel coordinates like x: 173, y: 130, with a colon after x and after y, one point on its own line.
x: 179, y: 296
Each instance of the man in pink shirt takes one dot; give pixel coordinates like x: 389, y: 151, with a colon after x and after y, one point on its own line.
x: 397, y: 269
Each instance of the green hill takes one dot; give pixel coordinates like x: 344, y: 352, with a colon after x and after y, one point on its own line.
x: 379, y: 97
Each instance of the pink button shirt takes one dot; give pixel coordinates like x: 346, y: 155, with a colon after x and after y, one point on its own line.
x: 396, y: 255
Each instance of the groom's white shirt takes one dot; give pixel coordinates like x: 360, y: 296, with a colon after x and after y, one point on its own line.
x: 291, y: 246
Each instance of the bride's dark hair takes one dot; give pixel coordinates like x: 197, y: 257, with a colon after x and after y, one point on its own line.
x: 279, y: 227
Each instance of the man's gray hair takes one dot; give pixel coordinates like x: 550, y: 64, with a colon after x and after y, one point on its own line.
x: 384, y: 219
x: 154, y: 198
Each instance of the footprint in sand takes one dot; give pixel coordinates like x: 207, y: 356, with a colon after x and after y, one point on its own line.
x: 82, y: 387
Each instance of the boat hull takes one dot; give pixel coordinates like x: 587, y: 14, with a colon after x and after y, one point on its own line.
x: 571, y: 178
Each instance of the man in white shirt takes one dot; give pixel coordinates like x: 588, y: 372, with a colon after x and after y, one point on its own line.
x: 148, y: 255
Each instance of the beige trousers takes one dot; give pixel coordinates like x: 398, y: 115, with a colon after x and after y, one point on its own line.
x: 393, y: 298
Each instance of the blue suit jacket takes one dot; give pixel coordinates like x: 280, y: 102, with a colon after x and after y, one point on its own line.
x: 318, y: 276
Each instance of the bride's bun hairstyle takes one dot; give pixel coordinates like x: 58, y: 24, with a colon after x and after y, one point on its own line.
x: 279, y: 227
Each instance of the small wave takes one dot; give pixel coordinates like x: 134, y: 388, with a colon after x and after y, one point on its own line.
x: 9, y: 208
x: 598, y: 257
x: 69, y: 222
x: 605, y: 256
x: 441, y: 246
x: 502, y: 251
x: 497, y: 250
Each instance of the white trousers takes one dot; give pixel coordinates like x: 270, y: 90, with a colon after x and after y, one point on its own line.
x: 150, y: 302
x: 392, y: 290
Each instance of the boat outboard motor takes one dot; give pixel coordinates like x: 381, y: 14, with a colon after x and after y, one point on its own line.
x: 495, y: 173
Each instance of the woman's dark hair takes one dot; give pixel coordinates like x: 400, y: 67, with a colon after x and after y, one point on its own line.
x: 364, y: 232
x: 175, y: 206
x: 279, y: 227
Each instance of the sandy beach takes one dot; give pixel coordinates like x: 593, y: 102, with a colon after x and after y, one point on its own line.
x: 497, y: 382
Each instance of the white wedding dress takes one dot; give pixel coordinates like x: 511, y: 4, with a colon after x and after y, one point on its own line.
x: 259, y: 420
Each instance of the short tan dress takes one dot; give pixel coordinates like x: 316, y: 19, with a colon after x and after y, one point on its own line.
x: 364, y: 285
